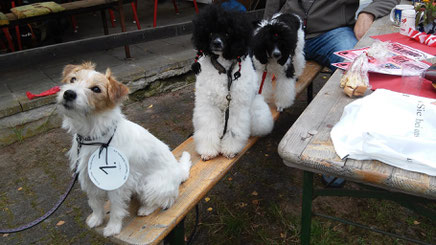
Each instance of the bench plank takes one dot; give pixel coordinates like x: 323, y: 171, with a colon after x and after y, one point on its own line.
x: 203, y: 176
x: 71, y: 6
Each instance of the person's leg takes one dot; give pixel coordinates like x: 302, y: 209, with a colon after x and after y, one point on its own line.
x: 321, y: 48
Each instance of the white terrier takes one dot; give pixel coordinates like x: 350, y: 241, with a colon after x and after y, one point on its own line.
x: 90, y: 105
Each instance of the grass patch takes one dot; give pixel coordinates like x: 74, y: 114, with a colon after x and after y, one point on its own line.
x: 322, y: 233
x: 233, y: 223
x: 18, y: 132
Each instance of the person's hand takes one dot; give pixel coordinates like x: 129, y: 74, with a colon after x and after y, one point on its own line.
x: 363, y: 23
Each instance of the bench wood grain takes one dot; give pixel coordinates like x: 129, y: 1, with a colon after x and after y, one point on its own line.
x: 70, y: 8
x: 203, y: 176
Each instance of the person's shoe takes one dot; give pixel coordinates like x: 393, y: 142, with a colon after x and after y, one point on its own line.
x: 332, y: 181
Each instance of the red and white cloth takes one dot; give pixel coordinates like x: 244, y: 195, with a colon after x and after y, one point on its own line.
x: 422, y: 37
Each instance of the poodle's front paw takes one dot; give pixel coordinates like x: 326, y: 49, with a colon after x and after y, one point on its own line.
x: 230, y: 156
x: 207, y: 149
x: 112, y: 229
x: 94, y: 220
x: 231, y: 146
x: 282, y: 104
x: 146, y: 210
x: 208, y: 157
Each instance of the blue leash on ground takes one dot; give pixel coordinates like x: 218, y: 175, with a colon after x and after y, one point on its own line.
x: 46, y: 215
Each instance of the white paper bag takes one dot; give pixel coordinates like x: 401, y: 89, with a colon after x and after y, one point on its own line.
x: 394, y: 128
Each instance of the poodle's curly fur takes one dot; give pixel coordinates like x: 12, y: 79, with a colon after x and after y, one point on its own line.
x: 277, y: 46
x: 248, y: 112
x: 216, y: 20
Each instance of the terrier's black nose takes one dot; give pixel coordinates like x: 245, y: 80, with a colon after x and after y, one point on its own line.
x: 276, y: 54
x: 70, y: 95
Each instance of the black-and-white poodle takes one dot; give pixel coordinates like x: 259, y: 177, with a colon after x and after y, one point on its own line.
x: 227, y: 107
x: 278, y: 49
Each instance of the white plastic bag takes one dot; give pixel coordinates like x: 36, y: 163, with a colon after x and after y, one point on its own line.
x: 391, y: 127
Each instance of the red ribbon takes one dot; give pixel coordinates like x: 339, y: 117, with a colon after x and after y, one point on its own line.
x: 263, y: 80
x: 51, y: 91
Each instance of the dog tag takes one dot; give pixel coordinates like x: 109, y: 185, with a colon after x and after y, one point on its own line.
x: 111, y: 173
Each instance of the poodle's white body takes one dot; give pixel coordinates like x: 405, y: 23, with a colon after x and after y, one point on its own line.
x: 249, y: 114
x: 284, y: 93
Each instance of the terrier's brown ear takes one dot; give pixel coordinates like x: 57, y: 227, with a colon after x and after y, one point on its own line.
x: 67, y: 70
x: 117, y: 91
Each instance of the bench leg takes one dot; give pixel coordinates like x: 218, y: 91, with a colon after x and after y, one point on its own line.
x: 123, y: 26
x: 310, y: 93
x: 175, y: 6
x: 17, y: 31
x: 18, y: 35
x: 9, y: 39
x: 177, y: 235
x: 104, y: 20
x: 306, y: 207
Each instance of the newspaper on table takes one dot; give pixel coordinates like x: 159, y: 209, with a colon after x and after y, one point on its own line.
x: 397, y: 55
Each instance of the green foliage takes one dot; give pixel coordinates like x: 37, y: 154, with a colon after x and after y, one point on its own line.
x: 425, y: 12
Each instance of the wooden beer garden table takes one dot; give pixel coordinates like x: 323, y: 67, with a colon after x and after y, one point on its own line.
x: 307, y: 146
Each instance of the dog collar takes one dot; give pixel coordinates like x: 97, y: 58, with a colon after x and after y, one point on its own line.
x: 220, y: 68
x: 81, y: 138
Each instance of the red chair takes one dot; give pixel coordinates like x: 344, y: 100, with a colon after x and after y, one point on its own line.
x: 134, y: 5
x: 175, y: 7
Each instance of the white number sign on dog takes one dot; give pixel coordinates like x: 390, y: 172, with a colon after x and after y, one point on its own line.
x: 108, y: 173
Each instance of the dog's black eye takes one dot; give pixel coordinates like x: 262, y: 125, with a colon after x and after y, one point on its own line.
x: 210, y: 34
x: 96, y: 89
x: 227, y: 35
x: 73, y: 79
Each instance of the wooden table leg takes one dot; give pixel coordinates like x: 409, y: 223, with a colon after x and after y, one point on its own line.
x: 306, y: 207
x: 123, y: 26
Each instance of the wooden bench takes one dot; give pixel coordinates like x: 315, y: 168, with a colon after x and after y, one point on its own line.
x: 204, y: 175
x: 74, y: 8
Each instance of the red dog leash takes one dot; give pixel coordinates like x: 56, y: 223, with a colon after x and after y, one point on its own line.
x: 263, y: 80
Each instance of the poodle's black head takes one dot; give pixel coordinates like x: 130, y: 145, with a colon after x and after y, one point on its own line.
x: 226, y: 33
x: 276, y: 39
